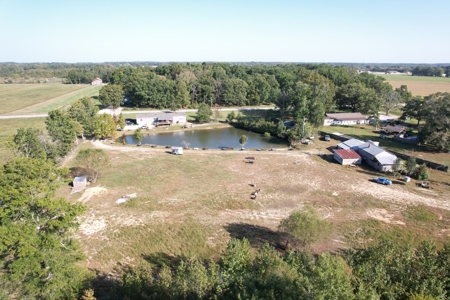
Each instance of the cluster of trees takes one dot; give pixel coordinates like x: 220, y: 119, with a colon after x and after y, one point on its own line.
x: 302, y: 93
x: 384, y: 270
x: 39, y: 258
x: 63, y: 129
x: 433, y: 71
x: 435, y: 111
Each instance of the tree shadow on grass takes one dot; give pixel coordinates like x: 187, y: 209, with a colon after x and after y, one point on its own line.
x: 256, y: 235
x: 159, y: 259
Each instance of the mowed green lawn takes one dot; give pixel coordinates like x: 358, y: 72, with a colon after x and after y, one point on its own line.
x: 16, y: 99
x: 419, y: 85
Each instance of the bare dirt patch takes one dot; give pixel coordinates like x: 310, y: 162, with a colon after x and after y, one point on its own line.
x: 383, y: 215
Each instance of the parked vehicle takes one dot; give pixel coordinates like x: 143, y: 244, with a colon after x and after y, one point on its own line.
x: 382, y: 180
x: 327, y: 138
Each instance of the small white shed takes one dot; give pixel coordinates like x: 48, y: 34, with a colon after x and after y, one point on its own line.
x: 177, y: 150
x: 79, y: 183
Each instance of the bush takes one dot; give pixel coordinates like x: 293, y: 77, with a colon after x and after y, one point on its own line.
x: 421, y: 172
x: 266, y: 134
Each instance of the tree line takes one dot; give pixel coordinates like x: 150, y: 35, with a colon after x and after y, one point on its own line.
x: 383, y: 270
x: 434, y: 110
x: 432, y: 71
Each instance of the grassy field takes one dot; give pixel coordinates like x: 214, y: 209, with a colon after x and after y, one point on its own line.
x: 41, y: 98
x: 419, y: 85
x: 192, y: 204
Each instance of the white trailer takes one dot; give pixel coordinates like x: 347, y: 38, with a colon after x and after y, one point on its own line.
x: 177, y: 150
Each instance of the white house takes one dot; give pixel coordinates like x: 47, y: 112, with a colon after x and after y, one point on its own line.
x: 377, y: 157
x: 344, y: 119
x: 160, y: 119
x: 347, y: 157
x: 97, y: 81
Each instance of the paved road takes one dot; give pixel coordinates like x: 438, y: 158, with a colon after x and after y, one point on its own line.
x: 131, y: 112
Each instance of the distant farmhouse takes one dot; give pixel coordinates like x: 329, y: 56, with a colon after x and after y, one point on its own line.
x: 369, y: 152
x: 160, y: 119
x: 344, y: 119
x: 97, y: 81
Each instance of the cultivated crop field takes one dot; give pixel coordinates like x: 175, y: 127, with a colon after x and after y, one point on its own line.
x: 17, y: 99
x: 192, y: 204
x: 420, y: 85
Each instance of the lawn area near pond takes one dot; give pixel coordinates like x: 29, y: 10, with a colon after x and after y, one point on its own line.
x: 366, y: 132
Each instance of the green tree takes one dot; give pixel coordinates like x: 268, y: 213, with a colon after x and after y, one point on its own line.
x: 231, y: 116
x: 111, y: 95
x: 421, y: 172
x: 121, y: 121
x: 27, y: 143
x: 39, y: 258
x: 281, y: 128
x: 397, y: 167
x: 305, y: 226
x: 204, y: 113
x: 84, y: 112
x: 405, y: 95
x: 415, y: 108
x: 63, y: 130
x: 138, y: 135
x: 391, y: 100
x: 93, y: 161
x: 243, y: 140
x: 436, y: 130
x: 410, y: 165
x: 104, y: 126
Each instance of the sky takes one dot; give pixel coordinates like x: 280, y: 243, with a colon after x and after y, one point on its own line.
x: 360, y: 31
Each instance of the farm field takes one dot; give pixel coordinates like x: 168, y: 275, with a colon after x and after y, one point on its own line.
x: 16, y: 99
x: 419, y: 85
x: 192, y: 204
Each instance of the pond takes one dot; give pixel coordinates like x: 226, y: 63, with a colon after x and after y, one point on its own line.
x: 210, y: 138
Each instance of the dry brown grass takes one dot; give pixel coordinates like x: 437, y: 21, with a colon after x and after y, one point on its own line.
x: 423, y: 88
x: 192, y: 204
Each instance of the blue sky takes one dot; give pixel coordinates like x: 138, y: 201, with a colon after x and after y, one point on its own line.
x: 394, y: 31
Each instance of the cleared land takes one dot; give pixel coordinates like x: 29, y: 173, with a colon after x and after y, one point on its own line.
x: 192, y: 204
x: 18, y: 99
x: 420, y: 85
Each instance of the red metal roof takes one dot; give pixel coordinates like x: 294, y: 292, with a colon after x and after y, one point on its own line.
x: 347, y: 154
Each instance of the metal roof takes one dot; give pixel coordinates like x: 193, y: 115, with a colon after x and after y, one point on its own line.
x: 161, y: 116
x: 371, y: 149
x: 346, y: 116
x: 347, y: 153
x: 386, y: 158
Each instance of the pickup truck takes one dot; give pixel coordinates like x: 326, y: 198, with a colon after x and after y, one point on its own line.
x: 382, y: 180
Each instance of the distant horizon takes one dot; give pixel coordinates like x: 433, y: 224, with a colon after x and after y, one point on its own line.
x: 200, y: 62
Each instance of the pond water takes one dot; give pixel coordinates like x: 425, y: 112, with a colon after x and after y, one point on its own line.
x: 210, y: 138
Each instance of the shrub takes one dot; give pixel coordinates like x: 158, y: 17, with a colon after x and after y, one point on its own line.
x: 421, y: 172
x: 266, y: 134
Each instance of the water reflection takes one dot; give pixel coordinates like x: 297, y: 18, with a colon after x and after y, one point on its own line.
x: 213, y: 138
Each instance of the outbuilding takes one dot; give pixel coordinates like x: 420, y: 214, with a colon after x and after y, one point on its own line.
x: 97, y: 81
x: 177, y: 150
x: 347, y: 157
x: 79, y: 183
